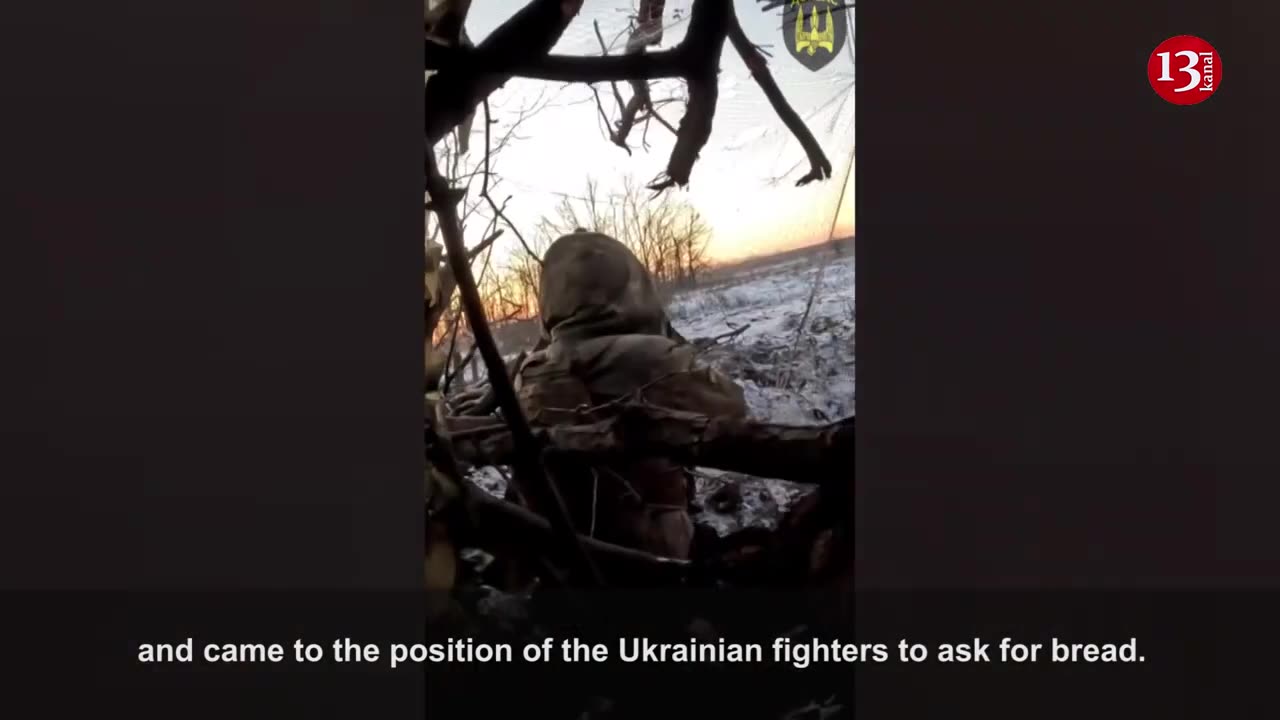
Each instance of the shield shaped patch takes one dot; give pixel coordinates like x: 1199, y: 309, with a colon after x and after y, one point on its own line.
x: 815, y: 31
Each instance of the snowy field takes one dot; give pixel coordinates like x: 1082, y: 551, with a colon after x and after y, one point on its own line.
x: 790, y: 373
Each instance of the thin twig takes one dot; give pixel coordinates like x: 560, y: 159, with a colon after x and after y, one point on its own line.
x: 497, y: 521
x: 707, y: 343
x: 640, y: 98
x: 767, y: 5
x: 484, y: 244
x: 788, y: 369
x: 449, y: 371
x: 785, y: 376
x: 484, y: 189
x: 708, y: 26
x: 653, y: 113
x: 584, y: 69
x: 604, y: 50
x: 452, y: 369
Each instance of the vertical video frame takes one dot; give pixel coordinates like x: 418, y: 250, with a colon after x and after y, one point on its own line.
x: 639, y: 302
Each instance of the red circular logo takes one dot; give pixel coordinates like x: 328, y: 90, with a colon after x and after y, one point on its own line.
x: 1184, y: 70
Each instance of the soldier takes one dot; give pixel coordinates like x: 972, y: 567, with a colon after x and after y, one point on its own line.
x: 607, y: 339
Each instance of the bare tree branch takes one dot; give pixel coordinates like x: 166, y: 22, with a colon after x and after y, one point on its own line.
x: 532, y: 479
x: 784, y: 379
x: 704, y: 343
x: 519, y: 46
x: 554, y: 68
x: 499, y: 522
x: 767, y: 5
x: 820, y: 454
x: 647, y: 31
x: 484, y: 187
x: 604, y: 49
x: 708, y: 25
x: 819, y: 165
x: 456, y: 90
x: 450, y: 368
x: 483, y: 245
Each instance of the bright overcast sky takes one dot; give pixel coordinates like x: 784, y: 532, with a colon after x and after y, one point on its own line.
x: 743, y: 182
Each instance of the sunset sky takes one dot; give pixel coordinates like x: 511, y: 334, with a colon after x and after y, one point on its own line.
x: 743, y: 182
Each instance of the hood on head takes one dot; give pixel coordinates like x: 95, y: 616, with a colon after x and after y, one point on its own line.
x: 593, y: 285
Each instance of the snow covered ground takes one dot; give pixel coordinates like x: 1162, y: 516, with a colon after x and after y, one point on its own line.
x: 792, y: 374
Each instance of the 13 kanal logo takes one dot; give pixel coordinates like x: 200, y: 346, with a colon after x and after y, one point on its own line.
x: 1185, y: 70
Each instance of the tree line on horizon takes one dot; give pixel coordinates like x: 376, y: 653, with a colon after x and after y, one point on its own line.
x: 667, y: 234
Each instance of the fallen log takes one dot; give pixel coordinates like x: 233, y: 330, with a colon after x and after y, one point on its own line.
x: 817, y: 455
x: 496, y: 522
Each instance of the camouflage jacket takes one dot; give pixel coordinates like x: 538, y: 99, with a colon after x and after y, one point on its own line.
x: 607, y: 339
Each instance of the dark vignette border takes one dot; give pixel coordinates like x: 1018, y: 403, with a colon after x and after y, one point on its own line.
x: 212, y: 306
x: 211, y: 300
x: 1067, y: 351
x: 1066, y: 294
x: 212, y: 286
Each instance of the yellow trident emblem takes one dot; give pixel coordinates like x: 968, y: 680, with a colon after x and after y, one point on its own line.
x: 814, y: 39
